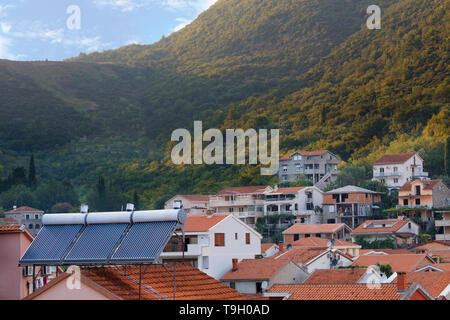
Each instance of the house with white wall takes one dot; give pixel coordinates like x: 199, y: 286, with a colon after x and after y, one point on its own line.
x: 396, y: 169
x: 245, y: 203
x: 193, y: 204
x: 299, y: 201
x: 211, y: 242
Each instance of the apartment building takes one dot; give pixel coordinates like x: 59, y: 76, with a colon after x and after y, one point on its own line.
x: 193, y: 204
x: 444, y: 226
x: 245, y: 203
x: 302, y: 202
x: 422, y: 196
x: 31, y: 218
x: 211, y: 243
x: 326, y: 231
x: 394, y: 170
x: 320, y: 167
x: 351, y: 205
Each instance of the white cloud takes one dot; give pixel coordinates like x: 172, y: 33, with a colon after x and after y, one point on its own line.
x: 123, y: 5
x: 3, y: 9
x: 182, y: 23
x: 197, y: 5
x: 5, y: 44
x: 89, y: 44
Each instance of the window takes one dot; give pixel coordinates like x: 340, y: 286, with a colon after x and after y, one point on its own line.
x: 241, y: 209
x: 284, y: 168
x: 417, y: 190
x: 27, y: 217
x: 296, y: 237
x: 247, y: 238
x: 417, y: 201
x: 37, y: 226
x: 235, y: 236
x: 205, y: 262
x: 36, y: 216
x: 230, y: 210
x: 409, y: 225
x: 405, y: 202
x: 258, y: 287
x: 307, y: 235
x: 395, y: 180
x: 219, y: 239
x: 233, y: 285
x: 30, y: 226
x: 297, y: 168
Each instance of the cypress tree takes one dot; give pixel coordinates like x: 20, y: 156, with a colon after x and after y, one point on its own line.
x: 32, y: 173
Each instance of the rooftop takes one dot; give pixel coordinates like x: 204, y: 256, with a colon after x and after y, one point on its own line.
x: 202, y: 223
x: 394, y: 158
x: 433, y: 282
x: 315, y: 228
x: 320, y: 242
x: 427, y: 184
x: 24, y: 209
x: 196, y: 197
x: 398, y: 262
x: 392, y: 225
x: 351, y: 189
x: 243, y: 190
x: 336, y: 276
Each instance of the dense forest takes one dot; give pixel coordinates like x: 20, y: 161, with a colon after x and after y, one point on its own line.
x: 96, y: 128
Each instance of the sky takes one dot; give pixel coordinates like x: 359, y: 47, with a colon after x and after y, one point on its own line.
x: 61, y: 29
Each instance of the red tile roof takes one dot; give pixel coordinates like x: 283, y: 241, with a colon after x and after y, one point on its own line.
x: 266, y: 246
x: 300, y: 255
x: 398, y: 224
x: 398, y: 262
x: 433, y: 244
x: 320, y: 242
x: 386, y: 251
x: 394, y: 158
x: 443, y: 266
x: 242, y: 190
x: 196, y: 197
x: 157, y: 283
x: 315, y: 228
x: 24, y: 209
x: 11, y: 228
x: 202, y: 223
x: 338, y: 292
x: 427, y: 184
x: 336, y: 276
x: 433, y: 282
x: 288, y: 190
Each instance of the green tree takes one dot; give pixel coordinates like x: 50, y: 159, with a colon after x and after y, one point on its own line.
x: 447, y: 156
x: 32, y: 174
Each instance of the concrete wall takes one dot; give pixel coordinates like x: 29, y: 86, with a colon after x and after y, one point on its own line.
x: 60, y: 291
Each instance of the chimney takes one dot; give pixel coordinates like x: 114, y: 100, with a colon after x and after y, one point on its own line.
x: 401, y: 282
x: 281, y: 247
x: 235, y: 263
x: 209, y: 213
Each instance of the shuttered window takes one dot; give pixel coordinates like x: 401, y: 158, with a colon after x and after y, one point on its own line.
x: 219, y: 239
x: 247, y: 238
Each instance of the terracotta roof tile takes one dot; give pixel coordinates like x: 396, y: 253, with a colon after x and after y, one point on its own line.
x: 266, y: 246
x: 398, y: 262
x: 433, y: 282
x: 394, y: 158
x: 196, y: 197
x: 242, y: 190
x: 398, y: 224
x: 336, y: 276
x: 338, y: 292
x: 157, y: 283
x: 314, y: 228
x: 24, y: 209
x: 384, y: 251
x: 427, y: 184
x: 202, y: 223
x: 11, y: 228
x: 320, y: 242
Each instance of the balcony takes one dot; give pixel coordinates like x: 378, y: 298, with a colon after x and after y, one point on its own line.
x: 236, y: 202
x: 445, y: 237
x: 442, y: 223
x: 413, y: 206
x: 192, y: 250
x: 386, y: 175
x: 419, y: 174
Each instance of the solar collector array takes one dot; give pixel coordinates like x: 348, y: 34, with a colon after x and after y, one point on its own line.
x: 103, y: 238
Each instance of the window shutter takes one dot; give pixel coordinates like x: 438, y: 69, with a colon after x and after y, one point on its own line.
x: 247, y: 238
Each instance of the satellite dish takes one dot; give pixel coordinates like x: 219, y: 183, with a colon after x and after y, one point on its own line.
x: 264, y: 285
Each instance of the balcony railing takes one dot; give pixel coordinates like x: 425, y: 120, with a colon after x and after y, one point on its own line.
x: 442, y: 223
x: 419, y: 174
x: 386, y: 174
x: 443, y: 237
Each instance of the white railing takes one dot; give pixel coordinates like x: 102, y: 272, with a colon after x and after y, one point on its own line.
x: 442, y: 223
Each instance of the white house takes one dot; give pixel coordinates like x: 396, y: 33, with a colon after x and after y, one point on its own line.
x: 299, y: 201
x: 396, y: 169
x: 212, y: 241
x: 193, y: 204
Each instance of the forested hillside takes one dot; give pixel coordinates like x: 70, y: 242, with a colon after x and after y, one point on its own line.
x: 310, y: 68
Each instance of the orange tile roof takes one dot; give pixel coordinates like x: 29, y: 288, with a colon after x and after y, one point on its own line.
x: 394, y: 158
x: 266, y: 268
x: 433, y: 282
x: 386, y: 251
x: 398, y: 262
x: 287, y: 190
x: 242, y: 190
x: 196, y: 197
x: 202, y: 223
x: 314, y: 228
x: 443, y: 266
x: 336, y: 276
x: 23, y: 209
x: 157, y: 283
x: 433, y: 244
x: 11, y: 228
x: 320, y: 242
x: 266, y: 246
x: 338, y: 292
x: 427, y: 184
x: 398, y: 224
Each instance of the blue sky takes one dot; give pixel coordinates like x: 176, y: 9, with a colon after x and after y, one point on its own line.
x: 39, y: 29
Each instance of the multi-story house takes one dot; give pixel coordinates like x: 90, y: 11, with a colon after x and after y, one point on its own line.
x: 325, y: 231
x: 444, y: 225
x: 193, y: 204
x: 351, y: 205
x: 31, y: 218
x: 423, y: 196
x: 302, y: 202
x: 320, y: 167
x: 394, y: 170
x: 246, y: 203
x: 212, y: 241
